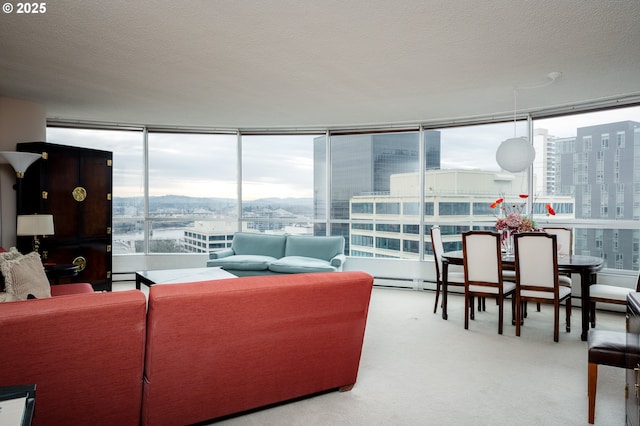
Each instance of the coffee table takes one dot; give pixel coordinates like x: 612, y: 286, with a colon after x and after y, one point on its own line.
x: 187, y: 275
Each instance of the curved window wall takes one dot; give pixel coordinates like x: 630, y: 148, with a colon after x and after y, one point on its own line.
x: 185, y: 191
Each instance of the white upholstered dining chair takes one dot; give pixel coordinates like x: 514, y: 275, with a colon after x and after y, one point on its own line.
x: 604, y: 293
x: 453, y: 278
x: 483, y: 273
x: 564, y: 239
x: 537, y: 278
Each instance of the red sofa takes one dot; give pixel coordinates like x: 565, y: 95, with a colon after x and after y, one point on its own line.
x: 201, y: 351
x: 223, y: 347
x: 84, y: 352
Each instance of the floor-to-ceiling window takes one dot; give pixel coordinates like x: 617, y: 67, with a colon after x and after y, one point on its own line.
x: 192, y: 192
x: 127, y: 147
x: 367, y: 202
x: 367, y: 187
x: 595, y: 159
x: 278, y: 183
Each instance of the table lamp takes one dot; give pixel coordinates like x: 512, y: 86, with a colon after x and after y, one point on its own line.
x: 35, y: 225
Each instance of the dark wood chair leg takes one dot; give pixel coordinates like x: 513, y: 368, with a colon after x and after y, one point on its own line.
x: 592, y: 384
x: 435, y: 305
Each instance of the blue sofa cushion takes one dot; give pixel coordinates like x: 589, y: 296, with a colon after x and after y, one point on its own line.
x: 260, y: 244
x: 325, y: 248
x: 300, y: 265
x: 242, y: 262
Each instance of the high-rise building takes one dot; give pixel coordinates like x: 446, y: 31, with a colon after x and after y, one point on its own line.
x: 594, y: 167
x: 363, y: 164
x: 544, y: 165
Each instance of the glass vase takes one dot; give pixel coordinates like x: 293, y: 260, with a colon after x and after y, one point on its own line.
x: 507, y: 242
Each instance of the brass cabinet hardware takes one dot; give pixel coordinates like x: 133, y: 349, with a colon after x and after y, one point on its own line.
x: 108, y: 274
x: 109, y: 163
x: 45, y: 195
x: 79, y: 194
x: 109, y: 196
x: 108, y: 230
x: 80, y: 262
x: 108, y: 248
x: 45, y: 155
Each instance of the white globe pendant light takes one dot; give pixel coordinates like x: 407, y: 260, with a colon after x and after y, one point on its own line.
x: 515, y: 155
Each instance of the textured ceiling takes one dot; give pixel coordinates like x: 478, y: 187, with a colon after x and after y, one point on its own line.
x: 316, y: 63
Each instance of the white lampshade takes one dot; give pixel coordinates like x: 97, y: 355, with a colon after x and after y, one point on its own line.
x: 515, y: 154
x: 20, y: 161
x: 35, y: 224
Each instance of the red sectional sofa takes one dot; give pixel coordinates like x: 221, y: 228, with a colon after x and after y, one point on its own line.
x: 202, y: 351
x: 217, y: 348
x: 84, y: 352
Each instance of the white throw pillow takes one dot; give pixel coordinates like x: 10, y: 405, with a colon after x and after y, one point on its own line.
x: 25, y: 275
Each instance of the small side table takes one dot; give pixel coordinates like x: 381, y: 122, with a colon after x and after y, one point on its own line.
x: 55, y: 271
x: 25, y: 392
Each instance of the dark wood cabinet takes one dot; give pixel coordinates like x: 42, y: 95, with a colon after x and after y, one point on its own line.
x: 632, y: 354
x: 75, y: 186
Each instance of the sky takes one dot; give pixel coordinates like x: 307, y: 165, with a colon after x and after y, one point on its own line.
x: 279, y: 166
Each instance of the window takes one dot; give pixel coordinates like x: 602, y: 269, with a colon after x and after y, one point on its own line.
x: 362, y: 208
x: 278, y: 178
x: 410, y: 209
x: 374, y: 183
x: 454, y: 209
x: 387, y: 208
x: 128, y: 178
x: 187, y: 194
x: 385, y: 227
x: 388, y: 243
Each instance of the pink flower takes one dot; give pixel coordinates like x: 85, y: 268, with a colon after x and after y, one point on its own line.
x: 514, y: 220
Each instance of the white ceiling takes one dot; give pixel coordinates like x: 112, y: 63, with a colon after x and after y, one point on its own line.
x: 316, y: 63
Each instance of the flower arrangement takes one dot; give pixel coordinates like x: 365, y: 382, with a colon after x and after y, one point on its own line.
x: 514, y: 217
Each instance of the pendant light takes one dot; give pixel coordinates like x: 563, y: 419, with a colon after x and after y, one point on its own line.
x: 516, y: 154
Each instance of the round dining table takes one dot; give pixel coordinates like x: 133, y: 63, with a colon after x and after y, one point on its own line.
x: 586, y: 266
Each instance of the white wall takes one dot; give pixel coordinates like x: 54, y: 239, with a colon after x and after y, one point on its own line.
x: 20, y: 121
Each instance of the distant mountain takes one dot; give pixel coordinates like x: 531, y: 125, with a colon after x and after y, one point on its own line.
x: 181, y: 201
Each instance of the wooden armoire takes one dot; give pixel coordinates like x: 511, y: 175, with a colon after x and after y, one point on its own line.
x: 75, y: 186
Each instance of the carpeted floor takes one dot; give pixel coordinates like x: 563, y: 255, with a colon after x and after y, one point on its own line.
x: 418, y: 369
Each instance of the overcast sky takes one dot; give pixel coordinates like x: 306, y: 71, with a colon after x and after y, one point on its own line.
x: 279, y: 166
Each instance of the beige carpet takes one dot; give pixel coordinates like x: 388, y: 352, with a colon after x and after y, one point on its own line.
x: 418, y: 369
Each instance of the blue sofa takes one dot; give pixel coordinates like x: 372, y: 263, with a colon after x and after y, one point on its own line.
x: 266, y: 254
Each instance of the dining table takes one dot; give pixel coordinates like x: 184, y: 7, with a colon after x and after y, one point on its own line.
x: 586, y: 266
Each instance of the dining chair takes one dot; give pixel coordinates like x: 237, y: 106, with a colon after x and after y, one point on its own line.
x: 564, y: 239
x: 483, y: 273
x: 537, y: 278
x: 605, y: 293
x: 453, y: 278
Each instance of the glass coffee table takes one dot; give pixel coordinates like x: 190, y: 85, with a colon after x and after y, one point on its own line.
x: 187, y: 275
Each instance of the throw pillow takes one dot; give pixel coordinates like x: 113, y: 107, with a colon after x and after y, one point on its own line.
x: 7, y: 297
x: 5, y: 255
x: 25, y: 275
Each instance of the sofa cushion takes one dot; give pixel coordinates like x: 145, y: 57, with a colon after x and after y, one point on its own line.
x: 260, y: 244
x: 300, y: 265
x: 25, y: 275
x: 243, y: 262
x: 315, y: 247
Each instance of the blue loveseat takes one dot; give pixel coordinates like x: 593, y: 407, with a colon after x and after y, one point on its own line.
x: 266, y: 254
